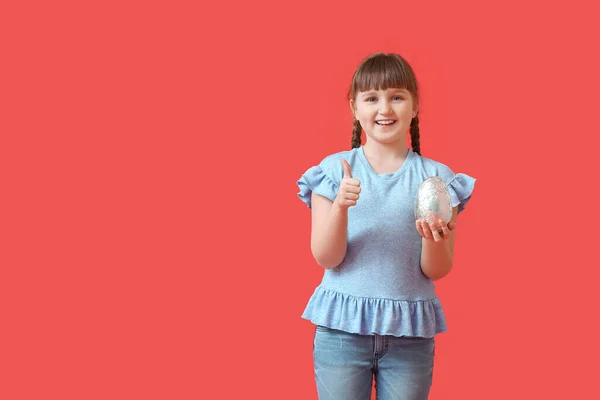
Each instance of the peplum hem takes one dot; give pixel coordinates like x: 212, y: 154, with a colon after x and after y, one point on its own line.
x: 367, y: 316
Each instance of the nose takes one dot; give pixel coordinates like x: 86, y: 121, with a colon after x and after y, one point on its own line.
x: 385, y: 107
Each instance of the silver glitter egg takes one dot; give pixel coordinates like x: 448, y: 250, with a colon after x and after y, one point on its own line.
x: 433, y: 201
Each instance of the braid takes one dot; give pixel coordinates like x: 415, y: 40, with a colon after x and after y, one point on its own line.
x: 356, y: 133
x: 414, y: 135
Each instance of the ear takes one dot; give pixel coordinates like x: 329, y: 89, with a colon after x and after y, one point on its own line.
x: 415, y: 112
x: 352, y: 108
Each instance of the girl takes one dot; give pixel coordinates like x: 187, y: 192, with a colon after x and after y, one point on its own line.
x: 376, y: 311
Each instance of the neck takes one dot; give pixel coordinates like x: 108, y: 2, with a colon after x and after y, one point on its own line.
x: 385, y: 158
x: 386, y: 151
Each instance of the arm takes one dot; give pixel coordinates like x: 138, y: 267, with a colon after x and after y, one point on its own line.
x: 329, y: 232
x: 437, y: 256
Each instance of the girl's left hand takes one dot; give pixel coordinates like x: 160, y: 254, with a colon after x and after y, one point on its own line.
x: 435, y: 231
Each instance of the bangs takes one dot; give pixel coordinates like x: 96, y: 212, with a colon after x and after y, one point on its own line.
x: 382, y: 72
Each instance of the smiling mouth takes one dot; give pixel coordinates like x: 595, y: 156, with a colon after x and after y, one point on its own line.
x: 385, y: 122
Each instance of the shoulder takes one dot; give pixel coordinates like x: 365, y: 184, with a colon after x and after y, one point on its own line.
x: 432, y: 167
x: 459, y: 185
x: 336, y: 158
x: 332, y: 164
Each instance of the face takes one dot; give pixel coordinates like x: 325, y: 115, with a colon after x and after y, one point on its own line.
x: 384, y: 115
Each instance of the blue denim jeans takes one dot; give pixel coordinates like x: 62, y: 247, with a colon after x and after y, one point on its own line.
x: 346, y: 363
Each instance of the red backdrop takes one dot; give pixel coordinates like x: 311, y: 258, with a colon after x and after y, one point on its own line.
x: 153, y: 243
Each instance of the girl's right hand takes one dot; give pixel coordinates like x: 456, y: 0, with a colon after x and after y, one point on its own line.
x: 349, y: 190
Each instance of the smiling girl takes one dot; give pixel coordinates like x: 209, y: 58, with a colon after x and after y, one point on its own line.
x: 376, y: 311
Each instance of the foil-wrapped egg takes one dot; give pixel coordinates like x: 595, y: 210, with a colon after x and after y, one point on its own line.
x: 433, y: 201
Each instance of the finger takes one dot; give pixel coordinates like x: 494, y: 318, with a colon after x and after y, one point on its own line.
x: 435, y: 231
x: 349, y: 203
x: 426, y: 231
x: 352, y: 196
x: 445, y: 229
x: 352, y: 189
x: 347, y: 170
x: 451, y: 225
x: 419, y: 228
x: 352, y: 181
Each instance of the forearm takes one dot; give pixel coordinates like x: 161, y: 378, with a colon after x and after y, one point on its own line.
x: 329, y: 240
x: 436, y: 258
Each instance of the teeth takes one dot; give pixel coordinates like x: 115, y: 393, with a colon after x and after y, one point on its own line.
x: 385, y: 122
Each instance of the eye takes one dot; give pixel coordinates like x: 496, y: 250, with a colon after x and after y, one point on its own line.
x: 398, y: 98
x: 372, y: 98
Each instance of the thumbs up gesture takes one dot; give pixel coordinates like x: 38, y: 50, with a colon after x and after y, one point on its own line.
x: 349, y: 189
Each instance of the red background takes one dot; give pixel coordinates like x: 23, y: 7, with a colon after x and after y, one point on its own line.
x: 153, y: 245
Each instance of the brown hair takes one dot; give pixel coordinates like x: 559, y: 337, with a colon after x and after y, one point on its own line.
x: 383, y: 71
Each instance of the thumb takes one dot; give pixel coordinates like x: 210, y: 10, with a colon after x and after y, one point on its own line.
x: 451, y: 225
x: 347, y: 171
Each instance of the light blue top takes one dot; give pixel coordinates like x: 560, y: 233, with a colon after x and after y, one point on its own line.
x: 379, y: 286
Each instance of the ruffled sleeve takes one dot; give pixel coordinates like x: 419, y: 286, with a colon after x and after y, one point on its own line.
x: 316, y: 180
x: 460, y: 189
